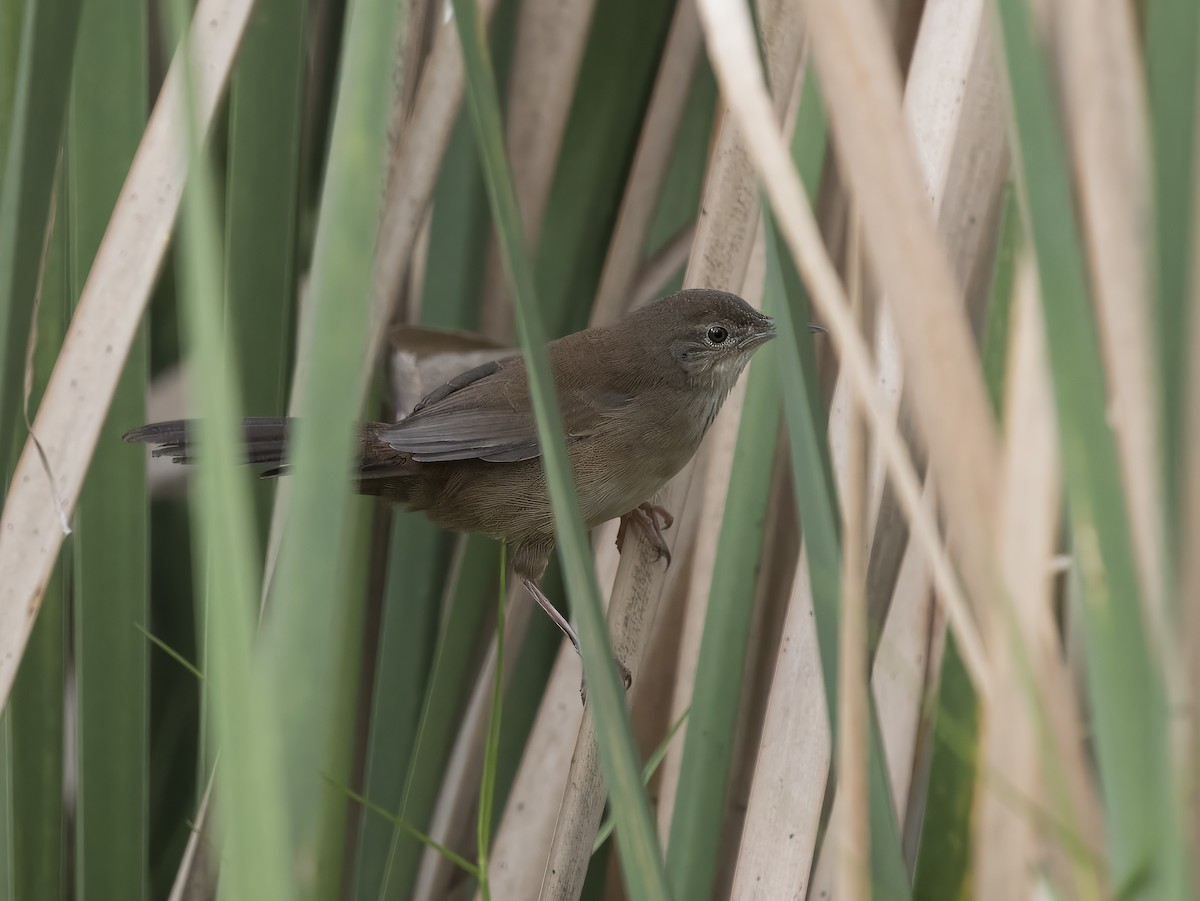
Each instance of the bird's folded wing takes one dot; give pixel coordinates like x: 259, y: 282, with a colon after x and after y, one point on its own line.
x: 485, y: 414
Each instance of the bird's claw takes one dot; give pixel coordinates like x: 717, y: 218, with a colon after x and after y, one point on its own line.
x: 653, y: 520
x: 626, y: 680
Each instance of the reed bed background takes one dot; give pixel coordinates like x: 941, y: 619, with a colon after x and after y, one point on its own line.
x: 931, y: 624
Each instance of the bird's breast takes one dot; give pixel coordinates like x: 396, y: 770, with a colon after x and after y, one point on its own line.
x: 636, y: 452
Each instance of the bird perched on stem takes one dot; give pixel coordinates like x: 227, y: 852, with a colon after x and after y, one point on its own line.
x: 636, y: 399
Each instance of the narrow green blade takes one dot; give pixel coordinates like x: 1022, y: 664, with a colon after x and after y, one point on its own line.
x: 255, y: 853
x: 812, y: 475
x: 1127, y: 695
x: 641, y: 858
x: 11, y: 14
x: 697, y: 820
x: 814, y: 490
x: 417, y: 560
x: 471, y: 589
x: 34, y: 833
x: 943, y: 858
x: 34, y: 132
x: 106, y: 119
x: 260, y: 210
x: 1172, y: 56
x: 615, y: 81
x: 305, y: 614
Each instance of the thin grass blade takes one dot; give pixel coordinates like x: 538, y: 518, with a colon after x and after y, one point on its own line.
x: 417, y: 562
x: 33, y: 824
x: 34, y: 131
x: 1127, y: 693
x: 255, y: 853
x: 640, y: 855
x: 468, y: 593
x: 111, y: 546
x: 11, y: 14
x: 597, y: 150
x: 261, y: 187
x: 1172, y: 53
x: 813, y: 482
x: 307, y: 593
x: 696, y: 823
x: 943, y: 859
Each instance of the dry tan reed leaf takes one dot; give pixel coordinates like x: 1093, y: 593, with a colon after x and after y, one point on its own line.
x: 898, y: 685
x: 783, y: 816
x: 550, y: 41
x: 452, y: 823
x: 853, y: 838
x: 1105, y: 107
x: 413, y: 170
x: 1005, y: 837
x: 953, y: 107
x: 863, y: 99
x: 527, y: 825
x: 1034, y: 741
x: 526, y: 828
x: 662, y: 266
x: 676, y: 73
x: 898, y: 677
x: 921, y: 776
x: 716, y: 471
x: 630, y: 615
x: 730, y: 37
x: 952, y: 102
x: 651, y: 707
x: 719, y: 259
x: 729, y: 227
x: 548, y: 50
x: 81, y: 387
x: 777, y: 572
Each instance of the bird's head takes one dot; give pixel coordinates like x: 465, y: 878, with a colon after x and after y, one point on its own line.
x: 710, y: 335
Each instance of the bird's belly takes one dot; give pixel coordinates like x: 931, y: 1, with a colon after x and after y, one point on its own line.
x: 613, y: 474
x: 624, y: 481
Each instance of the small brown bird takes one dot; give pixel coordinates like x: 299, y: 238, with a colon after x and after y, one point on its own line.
x: 636, y: 399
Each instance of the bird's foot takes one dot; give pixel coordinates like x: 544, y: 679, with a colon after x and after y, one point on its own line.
x: 653, y: 520
x: 622, y: 670
x: 565, y: 627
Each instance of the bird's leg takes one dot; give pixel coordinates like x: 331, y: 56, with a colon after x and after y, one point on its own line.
x: 552, y: 611
x: 565, y: 627
x: 653, y: 520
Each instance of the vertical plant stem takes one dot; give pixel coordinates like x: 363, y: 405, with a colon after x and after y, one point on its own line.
x: 1172, y: 60
x: 487, y: 788
x: 307, y: 597
x: 853, y: 840
x: 34, y: 131
x: 255, y: 854
x: 638, y: 842
x: 261, y: 209
x: 33, y: 828
x: 111, y: 598
x: 1126, y: 684
x: 696, y: 823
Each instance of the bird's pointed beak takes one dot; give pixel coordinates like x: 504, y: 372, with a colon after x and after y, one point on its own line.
x: 813, y: 327
x: 763, y: 331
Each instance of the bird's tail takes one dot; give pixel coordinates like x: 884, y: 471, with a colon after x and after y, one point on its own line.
x: 265, y: 439
x: 379, y: 470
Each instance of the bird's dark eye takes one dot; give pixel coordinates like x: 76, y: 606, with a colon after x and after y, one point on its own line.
x: 717, y: 334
